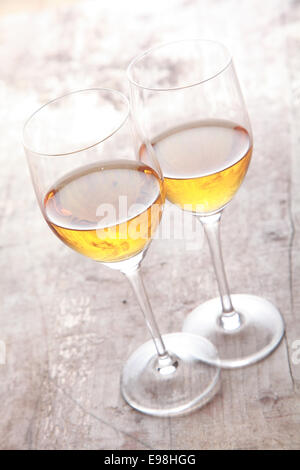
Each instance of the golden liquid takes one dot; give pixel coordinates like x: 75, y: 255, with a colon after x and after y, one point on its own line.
x: 203, y: 163
x: 106, y: 211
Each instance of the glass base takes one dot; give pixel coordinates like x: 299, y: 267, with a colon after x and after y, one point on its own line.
x: 173, y: 390
x: 260, y: 331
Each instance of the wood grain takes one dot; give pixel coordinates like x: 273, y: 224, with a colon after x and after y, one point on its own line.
x: 69, y: 323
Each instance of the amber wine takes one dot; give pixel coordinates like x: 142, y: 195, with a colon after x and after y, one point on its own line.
x: 203, y: 163
x: 106, y: 211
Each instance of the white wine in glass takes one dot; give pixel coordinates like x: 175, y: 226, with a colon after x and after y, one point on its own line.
x: 105, y: 201
x: 226, y: 150
x: 70, y: 208
x: 188, y: 107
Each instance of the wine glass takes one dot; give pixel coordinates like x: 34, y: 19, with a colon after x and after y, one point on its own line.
x: 188, y: 107
x: 104, y: 200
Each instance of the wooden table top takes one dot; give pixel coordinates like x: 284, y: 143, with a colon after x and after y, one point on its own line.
x: 68, y: 323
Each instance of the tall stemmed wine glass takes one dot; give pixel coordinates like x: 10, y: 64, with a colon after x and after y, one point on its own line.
x: 189, y: 109
x: 104, y: 200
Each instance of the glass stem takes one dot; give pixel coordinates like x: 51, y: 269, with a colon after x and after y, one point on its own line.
x: 230, y: 319
x: 166, y: 364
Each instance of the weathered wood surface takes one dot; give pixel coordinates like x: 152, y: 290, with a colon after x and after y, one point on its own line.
x: 69, y: 323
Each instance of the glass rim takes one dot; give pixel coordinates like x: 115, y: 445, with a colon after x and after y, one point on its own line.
x: 168, y: 43
x: 124, y: 119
